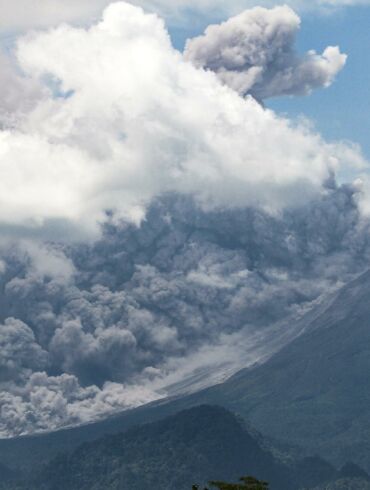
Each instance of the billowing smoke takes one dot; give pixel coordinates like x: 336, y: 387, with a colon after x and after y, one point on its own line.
x: 217, y: 225
x: 187, y: 293
x: 253, y: 53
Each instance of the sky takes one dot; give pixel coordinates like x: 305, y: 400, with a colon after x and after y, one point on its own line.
x: 341, y: 112
x: 338, y: 113
x: 179, y: 192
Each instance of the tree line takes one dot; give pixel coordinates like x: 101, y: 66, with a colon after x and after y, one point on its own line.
x: 245, y: 483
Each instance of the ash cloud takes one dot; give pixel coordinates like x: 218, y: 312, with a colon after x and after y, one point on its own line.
x: 204, y: 260
x: 253, y: 53
x: 189, y: 292
x: 20, y: 352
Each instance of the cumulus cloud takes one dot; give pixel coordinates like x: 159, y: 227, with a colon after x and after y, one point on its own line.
x: 113, y: 140
x: 253, y: 53
x: 19, y: 94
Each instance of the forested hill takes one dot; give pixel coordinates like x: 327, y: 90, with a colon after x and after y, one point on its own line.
x: 193, y: 446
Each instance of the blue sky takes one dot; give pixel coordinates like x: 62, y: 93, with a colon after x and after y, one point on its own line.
x: 339, y: 112
x: 342, y: 110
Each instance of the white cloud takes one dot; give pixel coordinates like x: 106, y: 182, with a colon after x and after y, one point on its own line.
x: 26, y: 14
x: 18, y: 94
x: 253, y: 53
x: 136, y: 121
x: 47, y: 260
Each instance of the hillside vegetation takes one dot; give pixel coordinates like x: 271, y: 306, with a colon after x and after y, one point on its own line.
x: 191, y: 447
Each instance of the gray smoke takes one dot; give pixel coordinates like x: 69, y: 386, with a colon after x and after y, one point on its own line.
x: 145, y: 307
x: 254, y: 53
x: 236, y: 242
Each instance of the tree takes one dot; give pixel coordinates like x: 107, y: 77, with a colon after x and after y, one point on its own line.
x: 247, y: 483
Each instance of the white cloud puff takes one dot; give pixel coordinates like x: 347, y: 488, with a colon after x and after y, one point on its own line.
x: 18, y: 94
x: 132, y: 120
x: 253, y: 53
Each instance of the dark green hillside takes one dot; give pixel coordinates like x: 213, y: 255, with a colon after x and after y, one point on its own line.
x: 345, y: 484
x: 315, y: 393
x: 6, y: 474
x: 190, y: 447
x: 171, y: 454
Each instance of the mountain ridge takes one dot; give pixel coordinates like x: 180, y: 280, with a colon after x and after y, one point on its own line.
x: 313, y: 393
x: 191, y: 446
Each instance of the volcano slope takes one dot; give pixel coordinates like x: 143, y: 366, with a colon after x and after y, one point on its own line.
x: 313, y: 394
x: 316, y: 391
